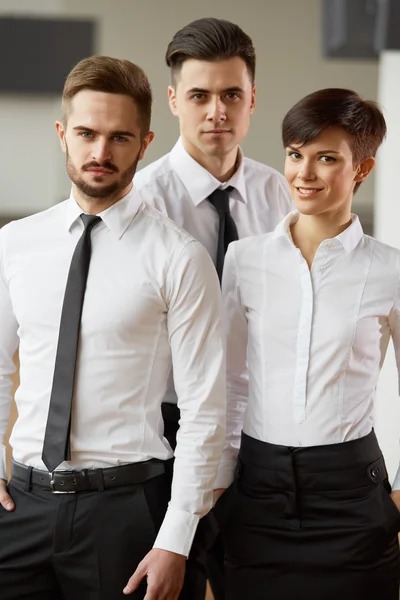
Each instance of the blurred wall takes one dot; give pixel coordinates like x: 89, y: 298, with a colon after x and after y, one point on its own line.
x: 287, y: 40
x: 29, y: 156
x: 387, y: 218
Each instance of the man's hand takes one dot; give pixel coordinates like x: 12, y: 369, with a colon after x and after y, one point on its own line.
x: 5, y: 499
x: 218, y: 493
x: 165, y: 572
x: 395, y: 496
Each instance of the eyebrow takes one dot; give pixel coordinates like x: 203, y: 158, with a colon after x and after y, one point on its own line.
x: 320, y: 152
x: 117, y: 132
x: 196, y: 90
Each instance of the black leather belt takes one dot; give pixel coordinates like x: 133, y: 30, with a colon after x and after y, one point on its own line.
x: 69, y: 482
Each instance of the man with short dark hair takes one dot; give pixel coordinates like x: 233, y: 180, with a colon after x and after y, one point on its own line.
x: 102, y: 294
x: 206, y: 185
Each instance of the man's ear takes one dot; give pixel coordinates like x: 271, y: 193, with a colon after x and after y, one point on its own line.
x: 145, y: 144
x: 253, y: 99
x: 172, y: 100
x: 61, y: 134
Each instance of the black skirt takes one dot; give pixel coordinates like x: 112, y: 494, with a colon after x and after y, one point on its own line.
x: 313, y: 523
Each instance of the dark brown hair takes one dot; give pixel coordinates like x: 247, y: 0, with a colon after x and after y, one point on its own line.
x: 113, y: 76
x: 211, y: 40
x: 362, y: 120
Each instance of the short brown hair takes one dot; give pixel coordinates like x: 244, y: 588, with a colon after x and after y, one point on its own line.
x: 362, y: 120
x: 113, y: 76
x: 211, y: 40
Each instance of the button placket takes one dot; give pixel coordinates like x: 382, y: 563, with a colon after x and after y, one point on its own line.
x: 303, y: 342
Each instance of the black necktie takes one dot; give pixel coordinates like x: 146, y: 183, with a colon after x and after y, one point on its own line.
x: 56, y: 446
x: 227, y: 232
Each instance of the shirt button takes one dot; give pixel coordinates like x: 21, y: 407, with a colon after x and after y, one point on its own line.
x: 329, y: 244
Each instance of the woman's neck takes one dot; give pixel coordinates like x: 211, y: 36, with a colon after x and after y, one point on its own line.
x: 309, y: 232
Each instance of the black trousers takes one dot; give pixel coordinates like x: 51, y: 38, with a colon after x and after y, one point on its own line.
x: 80, y: 546
x: 206, y: 558
x: 311, y: 523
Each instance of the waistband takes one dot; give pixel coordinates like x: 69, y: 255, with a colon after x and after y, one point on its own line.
x: 69, y: 482
x: 356, y: 463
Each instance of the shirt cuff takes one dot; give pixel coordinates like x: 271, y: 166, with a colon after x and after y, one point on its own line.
x: 3, y: 470
x: 177, y: 531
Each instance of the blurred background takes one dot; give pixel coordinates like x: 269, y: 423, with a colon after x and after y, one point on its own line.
x: 288, y: 36
x: 301, y: 46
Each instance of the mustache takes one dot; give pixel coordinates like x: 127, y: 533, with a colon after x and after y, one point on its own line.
x: 104, y: 165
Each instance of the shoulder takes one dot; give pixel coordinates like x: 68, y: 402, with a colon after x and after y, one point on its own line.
x: 262, y: 171
x: 178, y: 248
x: 248, y: 249
x: 270, y: 182
x: 36, y: 223
x: 158, y: 184
x: 386, y: 256
x: 165, y: 226
x: 149, y: 174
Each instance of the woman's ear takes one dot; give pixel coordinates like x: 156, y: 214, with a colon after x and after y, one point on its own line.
x: 364, y: 169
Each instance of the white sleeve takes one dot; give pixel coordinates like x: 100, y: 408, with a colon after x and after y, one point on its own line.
x: 237, y: 372
x: 8, y: 346
x: 394, y: 324
x: 196, y: 337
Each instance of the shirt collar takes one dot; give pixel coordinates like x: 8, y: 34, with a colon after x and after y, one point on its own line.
x: 199, y: 182
x: 348, y: 239
x: 117, y: 217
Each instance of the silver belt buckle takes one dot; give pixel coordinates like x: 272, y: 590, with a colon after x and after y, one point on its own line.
x: 53, y: 491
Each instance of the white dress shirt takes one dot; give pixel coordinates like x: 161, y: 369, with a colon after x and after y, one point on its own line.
x: 178, y: 186
x: 152, y: 297
x: 314, y: 340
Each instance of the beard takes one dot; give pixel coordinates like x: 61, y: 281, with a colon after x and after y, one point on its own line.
x: 106, y: 191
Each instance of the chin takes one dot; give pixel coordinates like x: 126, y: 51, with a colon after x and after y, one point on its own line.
x: 218, y: 149
x: 307, y: 208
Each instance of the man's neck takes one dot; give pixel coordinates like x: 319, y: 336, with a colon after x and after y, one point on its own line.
x: 220, y: 167
x: 94, y: 206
